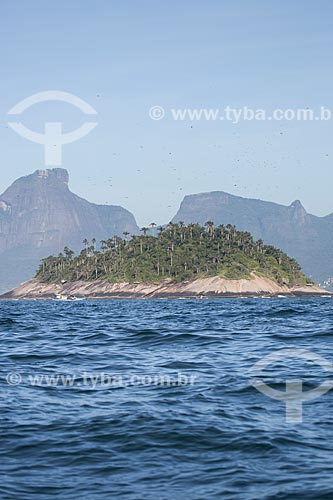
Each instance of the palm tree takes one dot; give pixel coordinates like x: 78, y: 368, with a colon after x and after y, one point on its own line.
x: 191, y: 227
x: 104, y: 245
x: 145, y: 231
x: 172, y: 228
x: 86, y: 244
x: 260, y: 246
x: 68, y: 253
x: 181, y: 224
x: 210, y: 225
x: 110, y: 243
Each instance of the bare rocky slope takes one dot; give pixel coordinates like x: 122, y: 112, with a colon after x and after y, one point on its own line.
x: 39, y: 215
x: 200, y: 288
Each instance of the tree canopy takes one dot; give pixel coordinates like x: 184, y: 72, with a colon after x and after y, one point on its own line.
x: 177, y: 252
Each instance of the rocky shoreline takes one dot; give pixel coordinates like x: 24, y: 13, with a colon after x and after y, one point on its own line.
x: 213, y: 287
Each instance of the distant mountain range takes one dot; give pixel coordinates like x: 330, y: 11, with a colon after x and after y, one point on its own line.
x: 39, y: 215
x: 303, y: 236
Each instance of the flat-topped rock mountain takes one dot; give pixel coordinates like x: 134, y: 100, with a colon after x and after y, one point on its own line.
x: 307, y: 238
x: 39, y: 215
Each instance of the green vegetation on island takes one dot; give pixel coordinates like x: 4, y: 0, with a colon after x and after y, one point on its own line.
x: 176, y: 252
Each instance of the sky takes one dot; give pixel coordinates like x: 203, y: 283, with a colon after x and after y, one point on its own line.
x: 125, y: 57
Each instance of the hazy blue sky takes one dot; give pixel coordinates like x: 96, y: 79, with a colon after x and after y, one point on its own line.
x: 125, y: 56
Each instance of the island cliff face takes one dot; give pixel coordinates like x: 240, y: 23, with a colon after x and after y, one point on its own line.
x: 39, y: 215
x: 305, y: 237
x: 212, y: 287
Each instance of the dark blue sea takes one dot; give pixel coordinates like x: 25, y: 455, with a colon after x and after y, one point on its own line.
x: 154, y: 400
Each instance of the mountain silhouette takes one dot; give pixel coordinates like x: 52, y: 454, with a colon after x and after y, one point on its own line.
x: 39, y: 215
x: 307, y: 238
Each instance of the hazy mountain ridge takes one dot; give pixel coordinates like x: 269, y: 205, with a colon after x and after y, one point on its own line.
x: 306, y: 237
x: 39, y: 215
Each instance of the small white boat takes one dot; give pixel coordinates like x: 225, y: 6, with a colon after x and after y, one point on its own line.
x: 71, y: 298
x: 60, y: 296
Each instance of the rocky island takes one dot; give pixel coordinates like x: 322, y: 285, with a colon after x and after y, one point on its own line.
x: 174, y: 261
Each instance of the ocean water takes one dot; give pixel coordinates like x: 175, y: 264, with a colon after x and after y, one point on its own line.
x: 159, y: 401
